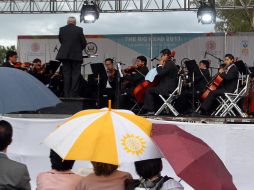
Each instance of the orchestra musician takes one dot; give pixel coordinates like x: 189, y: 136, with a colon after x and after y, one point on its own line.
x: 56, y: 83
x: 184, y: 103
x: 229, y: 74
x: 11, y: 59
x: 38, y: 71
x: 167, y: 76
x: 202, y: 79
x: 135, y: 74
x: 108, y: 83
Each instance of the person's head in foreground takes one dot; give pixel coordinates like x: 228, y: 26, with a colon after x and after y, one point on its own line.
x: 105, y: 176
x: 147, y: 169
x: 5, y: 135
x: 151, y: 178
x: 103, y: 169
x: 57, y: 163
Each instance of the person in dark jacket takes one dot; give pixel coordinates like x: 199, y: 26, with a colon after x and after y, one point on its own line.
x: 13, y: 175
x: 11, y: 59
x: 167, y: 75
x: 133, y: 76
x: 38, y: 71
x: 229, y: 73
x: 108, y: 83
x: 72, y: 42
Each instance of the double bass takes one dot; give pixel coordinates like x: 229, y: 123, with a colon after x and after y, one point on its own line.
x: 150, y: 81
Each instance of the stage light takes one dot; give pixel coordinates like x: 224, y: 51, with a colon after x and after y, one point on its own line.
x: 89, y: 13
x: 206, y: 14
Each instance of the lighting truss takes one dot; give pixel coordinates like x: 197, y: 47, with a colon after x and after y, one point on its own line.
x: 111, y: 6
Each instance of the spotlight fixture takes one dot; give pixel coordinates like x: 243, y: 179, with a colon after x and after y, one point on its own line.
x: 89, y: 13
x: 206, y: 13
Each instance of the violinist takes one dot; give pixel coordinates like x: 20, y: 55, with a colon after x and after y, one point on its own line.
x: 167, y: 75
x: 11, y: 59
x: 38, y: 71
x: 135, y: 74
x: 229, y: 74
x: 108, y: 83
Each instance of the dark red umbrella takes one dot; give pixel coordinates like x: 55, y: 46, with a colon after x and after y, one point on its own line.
x: 192, y: 159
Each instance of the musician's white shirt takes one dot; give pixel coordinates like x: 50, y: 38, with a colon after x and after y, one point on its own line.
x: 229, y: 68
x: 108, y: 85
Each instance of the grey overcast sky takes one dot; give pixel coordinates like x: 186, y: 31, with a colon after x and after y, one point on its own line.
x: 120, y: 23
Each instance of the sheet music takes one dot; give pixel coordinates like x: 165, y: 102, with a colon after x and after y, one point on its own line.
x: 151, y: 75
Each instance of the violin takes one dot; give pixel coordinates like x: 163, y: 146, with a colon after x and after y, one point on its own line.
x: 131, y: 68
x: 24, y: 66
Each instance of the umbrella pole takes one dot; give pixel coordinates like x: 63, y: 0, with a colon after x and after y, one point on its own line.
x: 109, y: 105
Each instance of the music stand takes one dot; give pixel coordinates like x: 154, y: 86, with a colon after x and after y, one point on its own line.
x: 192, y: 66
x: 193, y: 69
x: 242, y: 67
x: 251, y: 70
x: 52, y: 66
x: 98, y: 69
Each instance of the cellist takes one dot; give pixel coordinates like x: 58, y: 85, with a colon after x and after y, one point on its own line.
x: 229, y: 74
x: 167, y: 76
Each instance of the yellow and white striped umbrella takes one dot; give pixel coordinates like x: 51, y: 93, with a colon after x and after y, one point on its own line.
x: 105, y: 135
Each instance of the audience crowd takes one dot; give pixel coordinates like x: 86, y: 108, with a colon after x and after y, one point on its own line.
x: 15, y: 175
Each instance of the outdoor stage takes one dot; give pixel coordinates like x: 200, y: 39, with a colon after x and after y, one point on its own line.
x: 233, y: 143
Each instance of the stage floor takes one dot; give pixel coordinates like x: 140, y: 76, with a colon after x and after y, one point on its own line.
x: 204, y: 119
x: 236, y: 120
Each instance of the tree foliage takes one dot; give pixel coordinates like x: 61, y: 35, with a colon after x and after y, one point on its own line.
x: 3, y: 50
x: 238, y: 20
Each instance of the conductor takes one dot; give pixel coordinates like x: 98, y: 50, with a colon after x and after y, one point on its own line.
x: 72, y: 42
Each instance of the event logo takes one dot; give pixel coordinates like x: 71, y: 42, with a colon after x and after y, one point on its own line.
x: 91, y: 48
x: 35, y: 47
x: 210, y: 45
x: 244, y: 47
x: 133, y: 144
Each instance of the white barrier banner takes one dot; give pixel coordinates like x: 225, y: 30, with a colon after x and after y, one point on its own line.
x: 233, y: 143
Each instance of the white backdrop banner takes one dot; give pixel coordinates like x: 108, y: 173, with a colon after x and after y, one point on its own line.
x: 232, y: 142
x: 126, y: 47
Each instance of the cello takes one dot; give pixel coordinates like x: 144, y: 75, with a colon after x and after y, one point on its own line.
x: 213, y: 85
x: 150, y: 81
